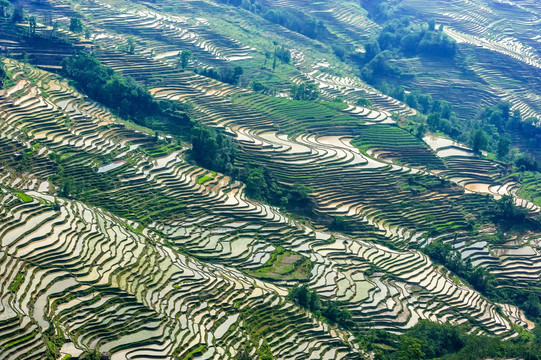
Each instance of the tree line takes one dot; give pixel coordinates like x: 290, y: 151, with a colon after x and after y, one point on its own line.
x: 123, y: 95
x: 292, y: 19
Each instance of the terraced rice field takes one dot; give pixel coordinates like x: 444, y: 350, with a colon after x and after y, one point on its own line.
x: 150, y: 256
x: 213, y: 222
x: 503, y: 38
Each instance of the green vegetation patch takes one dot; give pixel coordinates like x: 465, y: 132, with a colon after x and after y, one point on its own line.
x: 25, y: 198
x: 294, y: 116
x: 18, y: 341
x: 284, y: 265
x: 396, y: 143
x: 531, y: 187
x: 203, y: 179
x: 14, y: 286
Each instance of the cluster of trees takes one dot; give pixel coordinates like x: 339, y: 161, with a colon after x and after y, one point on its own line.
x: 508, y: 212
x: 282, y: 54
x: 226, y: 74
x: 527, y: 163
x: 482, y: 280
x: 291, y: 19
x: 184, y: 58
x: 259, y: 86
x: 444, y: 254
x: 399, y: 38
x: 429, y: 340
x: 26, y: 162
x: 378, y: 10
x: 212, y: 149
x: 262, y: 184
x: 124, y: 96
x: 490, y: 130
x: 17, y: 15
x: 121, y: 94
x: 5, y: 6
x: 305, y: 91
x: 426, y: 340
x: 329, y: 310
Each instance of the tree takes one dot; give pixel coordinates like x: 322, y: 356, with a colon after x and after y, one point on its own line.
x: 434, y: 120
x: 32, y: 25
x: 411, y: 100
x: 504, y: 145
x: 4, y: 5
x: 425, y: 100
x: 213, y: 150
x: 56, y: 25
x: 364, y: 102
x: 18, y: 14
x: 131, y: 45
x: 25, y: 57
x: 510, y: 212
x: 3, y: 73
x: 301, y: 295
x: 479, y: 141
x: 421, y: 131
x: 431, y: 24
x: 282, y: 54
x: 90, y: 355
x: 243, y: 355
x: 258, y: 86
x: 256, y: 185
x: 237, y: 73
x: 185, y: 57
x: 76, y: 25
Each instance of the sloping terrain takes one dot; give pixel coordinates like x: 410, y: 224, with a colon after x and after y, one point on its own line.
x: 112, y: 238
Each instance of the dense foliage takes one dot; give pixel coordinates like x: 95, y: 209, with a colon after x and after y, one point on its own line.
x: 225, y: 74
x: 428, y: 340
x: 212, y: 149
x: 292, y: 19
x: 103, y: 84
x: 399, y: 38
x: 123, y: 95
x: 3, y: 73
x: 305, y: 91
x: 330, y: 310
x: 262, y: 184
x: 482, y: 280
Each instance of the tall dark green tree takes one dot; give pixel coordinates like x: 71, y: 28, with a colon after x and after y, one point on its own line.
x: 185, y: 57
x: 504, y: 145
x: 479, y: 141
x: 32, y: 24
x: 76, y: 25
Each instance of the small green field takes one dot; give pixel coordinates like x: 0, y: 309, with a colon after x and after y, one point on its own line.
x: 531, y: 187
x: 294, y: 116
x: 25, y: 198
x: 284, y: 265
x: 397, y: 144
